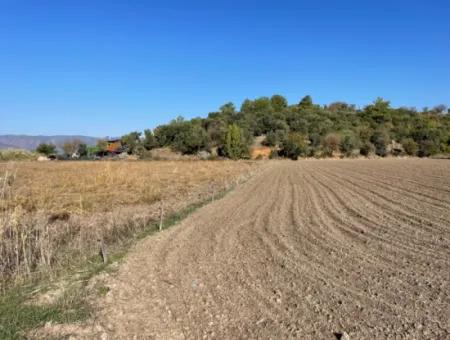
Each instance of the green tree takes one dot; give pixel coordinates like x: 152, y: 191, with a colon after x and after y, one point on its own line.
x: 132, y: 142
x: 274, y: 138
x: 82, y: 150
x: 228, y: 109
x: 92, y: 151
x: 191, y: 139
x: 306, y: 102
x: 278, y: 102
x: 102, y: 144
x: 294, y: 146
x: 149, y: 142
x: 46, y: 149
x: 235, y: 146
x: 378, y: 113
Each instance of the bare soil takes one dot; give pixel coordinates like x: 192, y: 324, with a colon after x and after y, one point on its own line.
x: 307, y: 249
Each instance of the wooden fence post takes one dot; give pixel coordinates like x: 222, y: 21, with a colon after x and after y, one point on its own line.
x: 103, y: 251
x: 161, y: 217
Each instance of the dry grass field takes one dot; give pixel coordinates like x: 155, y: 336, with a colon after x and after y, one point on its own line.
x: 85, y: 187
x: 48, y: 208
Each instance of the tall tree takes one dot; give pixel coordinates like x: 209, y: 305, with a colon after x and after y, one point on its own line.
x: 235, y: 146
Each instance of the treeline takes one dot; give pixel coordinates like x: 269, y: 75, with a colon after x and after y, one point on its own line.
x: 304, y: 129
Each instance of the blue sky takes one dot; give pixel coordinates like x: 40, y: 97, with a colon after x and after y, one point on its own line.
x: 108, y: 67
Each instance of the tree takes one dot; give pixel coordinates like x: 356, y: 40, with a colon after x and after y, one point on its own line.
x: 279, y: 103
x: 82, y: 150
x: 92, y: 151
x: 46, y: 149
x: 306, y: 102
x: 73, y: 147
x: 228, y: 109
x: 149, y: 141
x: 131, y: 141
x: 276, y: 137
x: 440, y: 109
x: 378, y: 113
x: 369, y: 129
x: 235, y: 146
x: 295, y: 146
x: 191, y: 139
x: 102, y: 145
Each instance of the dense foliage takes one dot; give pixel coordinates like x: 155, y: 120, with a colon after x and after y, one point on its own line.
x: 305, y: 129
x: 46, y: 149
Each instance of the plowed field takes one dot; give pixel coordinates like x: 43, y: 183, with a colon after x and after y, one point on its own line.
x: 304, y: 250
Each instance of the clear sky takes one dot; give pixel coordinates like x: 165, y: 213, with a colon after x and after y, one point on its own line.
x: 108, y: 67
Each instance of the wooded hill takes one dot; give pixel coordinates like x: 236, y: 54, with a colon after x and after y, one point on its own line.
x: 304, y: 129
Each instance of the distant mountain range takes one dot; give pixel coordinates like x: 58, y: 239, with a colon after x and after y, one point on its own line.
x: 31, y: 142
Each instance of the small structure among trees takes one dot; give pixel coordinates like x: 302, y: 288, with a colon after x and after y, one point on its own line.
x: 114, y: 146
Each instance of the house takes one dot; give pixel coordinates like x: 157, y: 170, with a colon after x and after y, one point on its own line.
x: 114, y: 146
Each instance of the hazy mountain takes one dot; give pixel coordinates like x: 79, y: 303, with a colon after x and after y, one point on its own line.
x: 31, y: 142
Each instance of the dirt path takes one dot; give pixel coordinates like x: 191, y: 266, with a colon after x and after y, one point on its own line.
x: 304, y: 250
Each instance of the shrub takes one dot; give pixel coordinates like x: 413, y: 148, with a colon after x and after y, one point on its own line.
x: 294, y: 146
x: 410, y: 146
x: 46, y: 149
x: 16, y: 155
x: 427, y: 148
x: 366, y: 149
x: 331, y: 143
x: 349, y: 142
x: 380, y: 140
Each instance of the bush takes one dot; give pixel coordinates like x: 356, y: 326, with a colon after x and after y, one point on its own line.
x: 427, y: 148
x: 349, y: 142
x: 294, y: 146
x: 410, y: 146
x: 17, y: 155
x: 366, y: 149
x: 380, y: 140
x: 46, y: 149
x: 331, y: 144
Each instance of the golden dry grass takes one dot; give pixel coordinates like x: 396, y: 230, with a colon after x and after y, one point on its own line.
x: 83, y: 187
x: 53, y: 210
